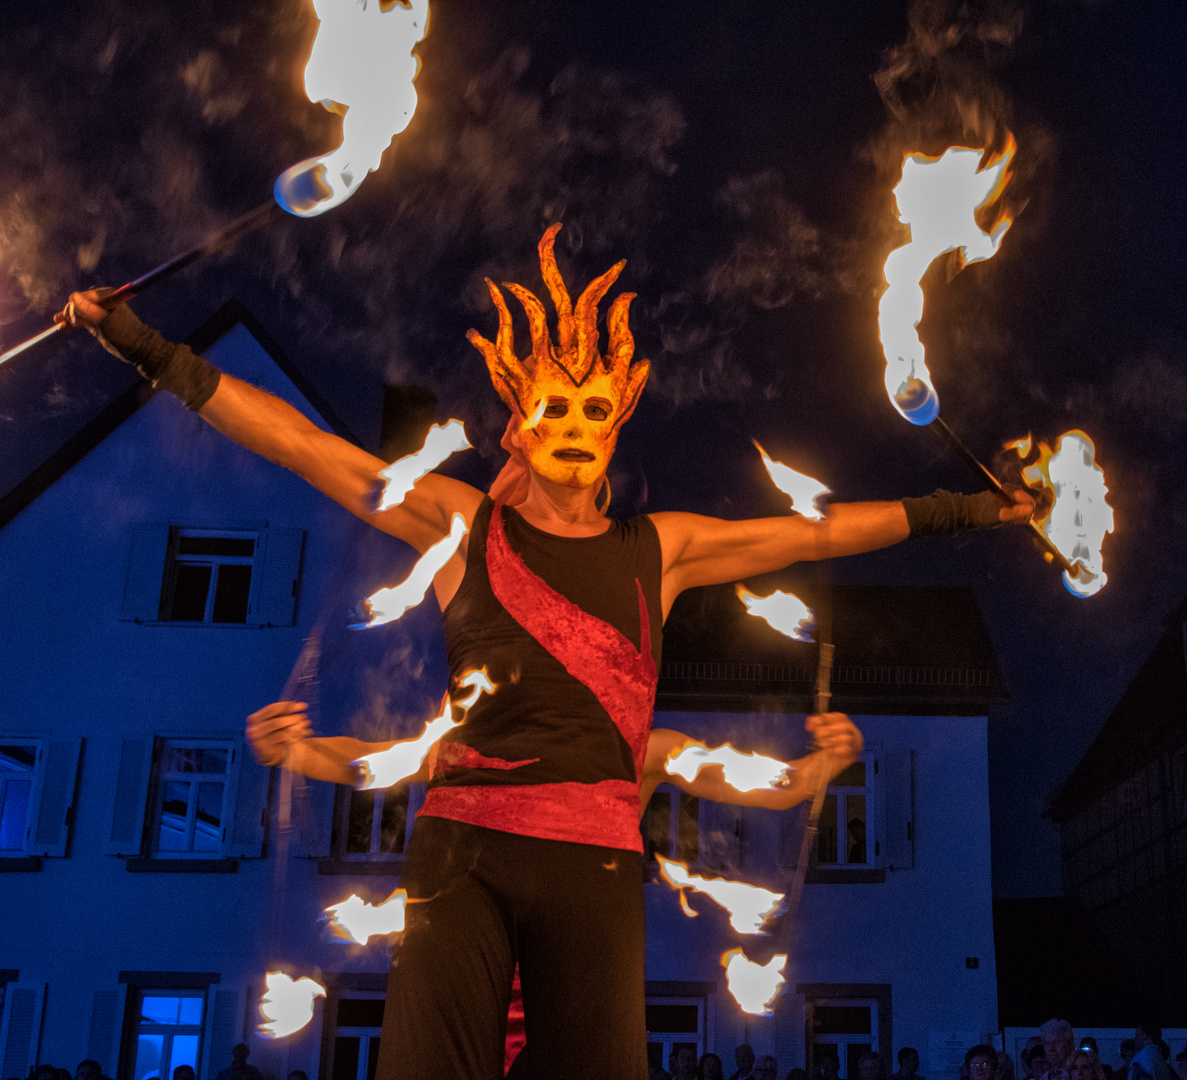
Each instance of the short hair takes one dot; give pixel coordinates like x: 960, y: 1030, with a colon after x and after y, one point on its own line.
x: 902, y: 1054
x: 1059, y: 1029
x: 981, y: 1050
x: 1098, y: 1071
x: 90, y: 1066
x: 1153, y: 1033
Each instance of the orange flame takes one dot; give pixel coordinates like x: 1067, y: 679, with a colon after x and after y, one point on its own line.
x: 361, y: 66
x: 387, y: 767
x: 754, y: 986
x: 287, y: 1006
x: 743, y: 772
x: 530, y: 422
x: 785, y: 612
x: 1080, y: 518
x: 804, y: 491
x: 386, y: 605
x: 748, y: 905
x: 941, y: 199
x: 359, y: 921
x: 480, y: 684
x: 402, y: 474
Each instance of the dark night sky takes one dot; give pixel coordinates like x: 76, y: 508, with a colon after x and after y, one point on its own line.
x: 740, y: 156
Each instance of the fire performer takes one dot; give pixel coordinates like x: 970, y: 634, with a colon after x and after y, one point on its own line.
x: 528, y: 847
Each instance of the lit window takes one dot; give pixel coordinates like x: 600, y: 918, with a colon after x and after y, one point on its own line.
x: 209, y: 576
x: 16, y: 787
x: 169, y: 1032
x: 845, y: 837
x: 192, y: 781
x: 670, y: 827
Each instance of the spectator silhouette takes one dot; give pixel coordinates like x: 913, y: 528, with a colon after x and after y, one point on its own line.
x: 1005, y: 1067
x: 1058, y: 1043
x: 980, y: 1062
x: 870, y: 1067
x: 765, y: 1068
x: 1084, y: 1065
x: 683, y: 1063
x: 744, y: 1059
x: 908, y: 1064
x: 184, y: 1072
x: 88, y: 1070
x: 1148, y: 1061
x: 710, y: 1068
x: 1127, y: 1051
x: 239, y: 1068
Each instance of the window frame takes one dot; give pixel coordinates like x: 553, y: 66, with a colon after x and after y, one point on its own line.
x: 49, y: 808
x: 340, y: 827
x: 134, y: 1005
x: 873, y: 840
x: 879, y: 994
x: 331, y: 1032
x: 683, y: 809
x: 174, y: 559
x: 156, y: 799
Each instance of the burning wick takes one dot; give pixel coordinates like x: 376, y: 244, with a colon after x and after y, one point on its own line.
x: 480, y: 684
x: 387, y: 767
x: 287, y: 1005
x: 1080, y: 518
x: 748, y: 905
x: 753, y: 986
x: 359, y: 921
x: 362, y: 66
x: 939, y: 199
x: 784, y: 611
x: 743, y: 772
x: 805, y: 493
x: 402, y: 474
x: 387, y: 605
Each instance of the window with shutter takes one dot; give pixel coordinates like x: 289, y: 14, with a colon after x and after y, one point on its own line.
x: 37, y: 781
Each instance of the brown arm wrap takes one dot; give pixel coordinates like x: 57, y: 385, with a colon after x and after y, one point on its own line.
x: 946, y: 513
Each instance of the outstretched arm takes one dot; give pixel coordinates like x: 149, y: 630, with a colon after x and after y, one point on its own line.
x: 837, y: 737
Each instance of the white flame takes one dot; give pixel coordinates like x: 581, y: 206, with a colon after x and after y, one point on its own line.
x: 387, y: 767
x: 441, y: 441
x: 743, y: 772
x: 362, y: 65
x: 287, y: 1006
x: 480, y: 684
x: 938, y: 198
x: 749, y: 906
x: 804, y: 491
x: 387, y: 605
x: 360, y: 921
x: 753, y: 986
x: 784, y: 611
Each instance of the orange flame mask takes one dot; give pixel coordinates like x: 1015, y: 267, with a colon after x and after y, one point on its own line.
x: 571, y: 399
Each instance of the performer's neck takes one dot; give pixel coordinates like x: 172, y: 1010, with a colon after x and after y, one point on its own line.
x: 562, y: 510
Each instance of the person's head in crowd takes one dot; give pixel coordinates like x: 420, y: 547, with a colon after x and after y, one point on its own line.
x: 1128, y: 1049
x: 1084, y: 1065
x: 796, y: 1074
x: 239, y: 1053
x: 1146, y: 1034
x: 184, y: 1072
x: 1087, y: 1042
x: 1058, y: 1043
x: 766, y: 1068
x: 1005, y: 1067
x: 980, y: 1062
x: 1181, y: 1063
x: 908, y: 1062
x: 88, y: 1070
x: 44, y: 1072
x: 63, y: 1074
x: 1035, y: 1060
x: 744, y: 1059
x: 298, y: 1074
x: 829, y: 1065
x: 869, y: 1066
x: 684, y: 1063
x: 710, y: 1068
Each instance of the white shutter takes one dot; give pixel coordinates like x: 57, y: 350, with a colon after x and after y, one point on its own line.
x: 222, y: 1030
x: 274, y: 577
x: 126, y: 832
x: 20, y: 1031
x: 246, y: 805
x: 146, y: 572
x: 898, y: 815
x: 52, y: 797
x: 312, y: 819
x: 106, y: 1012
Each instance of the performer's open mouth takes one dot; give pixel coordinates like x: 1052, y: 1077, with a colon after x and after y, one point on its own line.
x: 572, y: 454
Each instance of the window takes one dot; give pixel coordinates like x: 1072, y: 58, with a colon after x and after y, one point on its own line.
x: 37, y: 782
x: 375, y: 825
x: 844, y: 837
x: 168, y: 1032
x: 670, y: 825
x: 353, y: 1039
x: 679, y: 1017
x: 217, y: 576
x: 192, y: 788
x: 846, y: 1027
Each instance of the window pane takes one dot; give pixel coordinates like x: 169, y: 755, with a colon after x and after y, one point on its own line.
x: 360, y: 1012
x: 148, y: 1056
x: 208, y: 821
x: 230, y: 594
x: 159, y: 1010
x: 826, y: 838
x: 372, y: 1057
x: 175, y: 808
x: 14, y: 813
x: 190, y: 1012
x: 193, y: 759
x: 393, y: 821
x: 855, y: 815
x: 841, y: 1019
x: 673, y: 1018
x: 346, y: 1057
x: 184, y: 1052
x: 216, y: 545
x: 190, y: 586
x: 17, y: 760
x: 359, y: 822
x: 657, y: 826
x: 854, y: 776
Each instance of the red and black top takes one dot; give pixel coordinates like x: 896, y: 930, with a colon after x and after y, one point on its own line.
x: 569, y: 631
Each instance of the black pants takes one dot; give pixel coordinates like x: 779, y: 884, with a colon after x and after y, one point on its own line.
x: 481, y: 900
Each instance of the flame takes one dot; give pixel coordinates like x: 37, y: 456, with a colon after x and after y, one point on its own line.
x: 361, y: 66
x: 748, y: 905
x: 804, y: 492
x: 537, y: 415
x: 387, y: 605
x: 480, y: 682
x: 743, y: 772
x: 785, y: 611
x: 1080, y: 518
x: 359, y: 921
x: 754, y: 986
x: 387, y: 767
x: 287, y: 1005
x: 441, y: 441
x: 940, y: 199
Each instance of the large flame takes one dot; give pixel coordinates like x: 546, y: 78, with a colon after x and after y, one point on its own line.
x: 1080, y: 518
x: 359, y: 921
x: 805, y: 492
x: 940, y: 199
x: 754, y: 986
x: 361, y: 66
x: 387, y: 767
x: 441, y: 441
x: 387, y: 605
x: 743, y: 772
x: 749, y: 906
x: 287, y: 1006
x: 784, y: 611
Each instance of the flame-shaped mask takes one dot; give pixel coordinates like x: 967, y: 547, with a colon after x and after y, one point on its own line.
x: 571, y: 399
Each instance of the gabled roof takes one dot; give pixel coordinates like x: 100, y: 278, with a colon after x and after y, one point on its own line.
x: 919, y: 649
x: 1149, y: 720
x: 231, y: 314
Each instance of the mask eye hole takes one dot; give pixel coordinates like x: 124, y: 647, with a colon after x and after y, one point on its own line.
x: 554, y: 410
x: 596, y: 410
